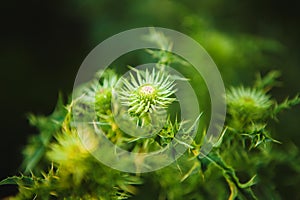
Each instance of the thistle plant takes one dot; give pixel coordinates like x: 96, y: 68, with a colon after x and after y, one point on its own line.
x: 250, y: 109
x: 58, y: 164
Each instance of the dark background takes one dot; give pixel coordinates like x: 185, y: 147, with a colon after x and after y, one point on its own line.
x: 42, y: 44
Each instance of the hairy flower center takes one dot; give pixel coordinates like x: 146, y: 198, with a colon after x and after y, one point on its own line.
x: 248, y: 100
x: 147, y: 91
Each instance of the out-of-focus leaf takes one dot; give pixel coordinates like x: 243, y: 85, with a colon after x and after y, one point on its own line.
x: 286, y: 104
x: 231, y: 177
x: 15, y: 180
x: 47, y: 126
x: 268, y: 81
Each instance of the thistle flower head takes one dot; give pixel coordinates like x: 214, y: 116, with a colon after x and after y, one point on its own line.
x: 147, y: 92
x: 248, y: 104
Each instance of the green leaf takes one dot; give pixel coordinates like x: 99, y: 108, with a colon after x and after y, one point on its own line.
x: 230, y: 176
x: 47, y: 126
x: 286, y: 104
x: 268, y: 81
x: 15, y: 180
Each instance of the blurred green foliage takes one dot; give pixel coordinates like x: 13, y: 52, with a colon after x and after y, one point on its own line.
x: 243, y: 38
x: 231, y: 170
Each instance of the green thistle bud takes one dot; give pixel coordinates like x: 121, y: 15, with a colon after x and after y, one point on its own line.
x: 147, y: 92
x: 248, y: 104
x: 97, y: 94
